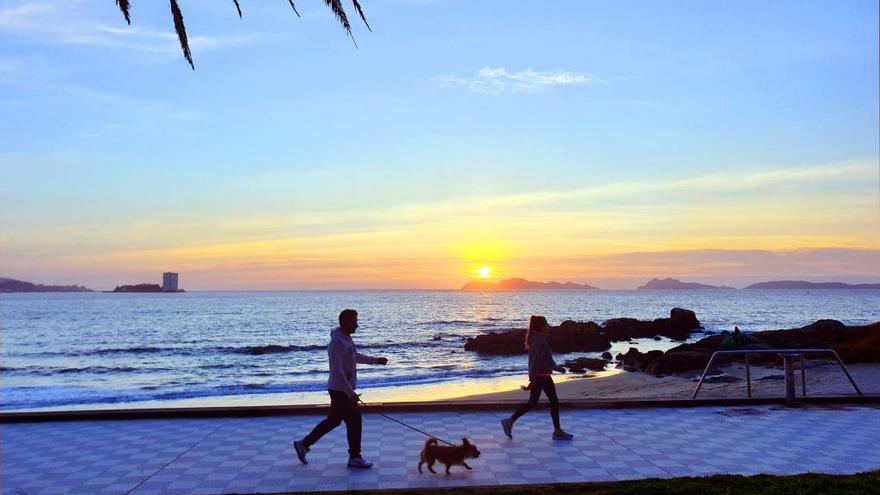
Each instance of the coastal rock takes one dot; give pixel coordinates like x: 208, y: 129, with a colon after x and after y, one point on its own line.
x: 581, y: 364
x: 638, y: 360
x: 677, y: 362
x: 570, y: 336
x: 606, y: 356
x: 575, y: 336
x: 680, y: 324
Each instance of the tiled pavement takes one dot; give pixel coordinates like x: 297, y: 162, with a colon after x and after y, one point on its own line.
x: 246, y: 455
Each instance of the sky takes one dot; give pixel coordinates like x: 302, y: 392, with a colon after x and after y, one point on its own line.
x: 596, y: 142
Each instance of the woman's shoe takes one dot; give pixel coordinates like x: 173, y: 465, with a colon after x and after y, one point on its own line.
x: 562, y: 435
x: 507, y: 426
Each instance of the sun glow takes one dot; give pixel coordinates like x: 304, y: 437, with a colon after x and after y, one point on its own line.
x: 484, y: 271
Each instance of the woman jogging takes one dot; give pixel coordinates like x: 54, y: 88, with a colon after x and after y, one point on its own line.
x: 541, y: 366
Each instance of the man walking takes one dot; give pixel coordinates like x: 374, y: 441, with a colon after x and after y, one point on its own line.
x: 343, y: 400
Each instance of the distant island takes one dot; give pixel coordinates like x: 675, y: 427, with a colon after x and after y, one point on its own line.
x: 800, y: 284
x: 673, y: 284
x: 523, y: 284
x: 12, y: 285
x: 143, y: 288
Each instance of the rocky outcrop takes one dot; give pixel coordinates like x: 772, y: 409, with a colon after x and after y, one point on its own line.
x: 523, y: 284
x: 581, y: 364
x: 855, y: 344
x: 679, y: 326
x: 573, y: 336
x: 675, y: 284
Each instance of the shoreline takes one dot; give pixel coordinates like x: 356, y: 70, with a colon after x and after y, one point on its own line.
x: 823, y: 379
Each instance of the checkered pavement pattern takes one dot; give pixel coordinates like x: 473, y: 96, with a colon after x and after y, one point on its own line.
x: 254, y: 455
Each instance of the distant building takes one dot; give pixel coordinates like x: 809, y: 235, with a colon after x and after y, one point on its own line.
x: 169, y: 282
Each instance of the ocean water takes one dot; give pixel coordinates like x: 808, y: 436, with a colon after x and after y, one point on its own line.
x: 62, y: 350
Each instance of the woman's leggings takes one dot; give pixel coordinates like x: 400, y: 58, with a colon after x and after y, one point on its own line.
x: 545, y: 384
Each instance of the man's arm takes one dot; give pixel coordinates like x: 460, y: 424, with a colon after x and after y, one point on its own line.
x: 364, y: 359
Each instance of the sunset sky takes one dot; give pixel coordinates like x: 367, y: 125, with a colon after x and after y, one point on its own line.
x: 595, y: 142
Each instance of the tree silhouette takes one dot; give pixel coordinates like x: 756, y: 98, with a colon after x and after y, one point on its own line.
x: 177, y: 15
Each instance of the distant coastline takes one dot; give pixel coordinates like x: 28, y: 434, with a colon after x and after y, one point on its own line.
x: 800, y: 284
x: 12, y: 285
x: 675, y: 284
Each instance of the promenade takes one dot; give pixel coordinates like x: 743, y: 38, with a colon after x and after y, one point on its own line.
x: 254, y: 455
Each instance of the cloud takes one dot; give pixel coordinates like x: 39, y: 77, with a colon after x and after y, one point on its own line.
x: 59, y: 23
x: 498, y: 81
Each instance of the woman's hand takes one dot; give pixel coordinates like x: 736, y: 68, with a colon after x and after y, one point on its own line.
x: 382, y: 360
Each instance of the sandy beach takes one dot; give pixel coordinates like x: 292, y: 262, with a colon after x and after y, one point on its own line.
x: 823, y: 378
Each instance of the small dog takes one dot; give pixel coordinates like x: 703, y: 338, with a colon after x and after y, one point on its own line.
x: 451, y: 456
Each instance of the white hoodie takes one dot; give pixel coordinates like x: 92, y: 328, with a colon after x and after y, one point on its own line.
x: 343, y: 358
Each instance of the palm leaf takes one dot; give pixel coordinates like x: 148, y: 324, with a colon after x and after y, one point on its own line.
x: 294, y: 8
x: 125, y: 7
x: 336, y: 7
x: 237, y: 7
x: 357, y: 5
x: 181, y: 32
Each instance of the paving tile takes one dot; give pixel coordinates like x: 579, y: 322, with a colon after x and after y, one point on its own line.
x: 223, y: 455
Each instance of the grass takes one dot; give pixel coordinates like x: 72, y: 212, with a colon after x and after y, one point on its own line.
x: 721, y: 484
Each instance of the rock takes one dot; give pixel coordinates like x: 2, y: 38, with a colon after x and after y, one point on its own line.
x: 582, y: 364
x: 772, y: 377
x: 680, y: 324
x: 637, y: 360
x: 677, y: 362
x: 722, y: 379
x: 570, y: 336
x: 606, y: 356
x: 504, y: 344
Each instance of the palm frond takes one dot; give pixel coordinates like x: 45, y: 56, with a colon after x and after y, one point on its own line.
x: 181, y: 32
x: 357, y: 5
x: 125, y: 7
x: 237, y: 7
x: 336, y: 7
x: 294, y: 8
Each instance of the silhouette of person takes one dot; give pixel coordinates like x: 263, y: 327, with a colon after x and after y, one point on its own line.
x: 541, y: 366
x: 343, y: 357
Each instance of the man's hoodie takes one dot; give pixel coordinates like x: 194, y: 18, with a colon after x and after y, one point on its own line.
x: 343, y: 362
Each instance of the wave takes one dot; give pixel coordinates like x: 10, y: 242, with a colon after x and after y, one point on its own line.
x: 467, y: 323
x: 252, y: 350
x: 52, y: 371
x: 37, y: 397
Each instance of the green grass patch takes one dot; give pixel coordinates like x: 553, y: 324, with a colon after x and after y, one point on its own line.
x: 722, y: 484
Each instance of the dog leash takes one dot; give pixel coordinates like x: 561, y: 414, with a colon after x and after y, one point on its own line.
x: 408, y: 426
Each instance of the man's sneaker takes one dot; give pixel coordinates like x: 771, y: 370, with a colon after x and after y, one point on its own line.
x: 561, y: 435
x: 359, y: 462
x: 507, y: 426
x: 301, y: 451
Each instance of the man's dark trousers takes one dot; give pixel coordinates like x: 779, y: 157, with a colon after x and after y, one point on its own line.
x: 342, y: 408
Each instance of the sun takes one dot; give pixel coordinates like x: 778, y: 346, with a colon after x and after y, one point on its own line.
x: 484, y: 271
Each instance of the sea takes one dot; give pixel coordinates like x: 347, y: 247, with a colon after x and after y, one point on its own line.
x: 63, y: 351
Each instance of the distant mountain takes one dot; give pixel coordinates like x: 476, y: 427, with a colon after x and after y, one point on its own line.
x: 672, y: 283
x: 523, y: 284
x: 12, y: 285
x: 800, y: 284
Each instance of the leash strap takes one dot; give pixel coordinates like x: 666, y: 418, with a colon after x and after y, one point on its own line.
x: 408, y: 426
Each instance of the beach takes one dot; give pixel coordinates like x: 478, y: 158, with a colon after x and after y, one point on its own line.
x: 823, y: 379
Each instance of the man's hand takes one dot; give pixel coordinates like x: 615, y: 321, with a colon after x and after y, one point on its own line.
x: 382, y: 360
x: 355, y: 398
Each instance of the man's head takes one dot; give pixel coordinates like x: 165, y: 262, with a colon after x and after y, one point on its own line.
x: 348, y: 321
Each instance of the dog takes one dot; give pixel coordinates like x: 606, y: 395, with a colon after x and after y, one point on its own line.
x: 451, y: 455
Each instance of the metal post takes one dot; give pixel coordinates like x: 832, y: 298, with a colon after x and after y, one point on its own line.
x: 704, y: 375
x: 840, y: 362
x: 803, y: 376
x: 748, y: 377
x: 788, y: 365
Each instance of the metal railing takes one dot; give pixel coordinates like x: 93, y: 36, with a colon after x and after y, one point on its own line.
x: 787, y: 356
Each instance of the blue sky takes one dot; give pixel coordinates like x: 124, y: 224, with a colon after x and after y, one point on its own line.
x: 457, y: 134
